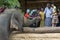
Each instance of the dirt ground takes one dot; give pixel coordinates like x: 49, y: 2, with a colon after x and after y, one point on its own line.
x: 35, y: 36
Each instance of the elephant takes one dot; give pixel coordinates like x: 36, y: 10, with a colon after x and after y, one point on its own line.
x: 8, y: 18
x: 30, y: 22
x: 33, y: 20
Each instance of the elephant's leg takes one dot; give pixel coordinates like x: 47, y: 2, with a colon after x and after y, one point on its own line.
x: 4, y: 26
x: 4, y: 33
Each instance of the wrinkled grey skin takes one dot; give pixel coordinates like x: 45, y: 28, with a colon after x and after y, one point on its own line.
x: 28, y: 22
x: 10, y: 18
x: 5, y: 23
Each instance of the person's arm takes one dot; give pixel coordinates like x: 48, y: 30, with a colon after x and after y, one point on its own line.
x: 51, y: 11
x: 39, y: 16
x: 30, y: 17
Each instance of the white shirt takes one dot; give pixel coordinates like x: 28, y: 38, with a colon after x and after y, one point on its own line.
x: 48, y: 12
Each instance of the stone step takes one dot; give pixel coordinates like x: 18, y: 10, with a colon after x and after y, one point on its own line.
x: 35, y: 36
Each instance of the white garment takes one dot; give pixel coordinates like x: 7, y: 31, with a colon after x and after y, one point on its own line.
x: 54, y: 9
x: 48, y: 12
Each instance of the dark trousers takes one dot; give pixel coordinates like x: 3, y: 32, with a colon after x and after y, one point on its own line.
x: 58, y: 24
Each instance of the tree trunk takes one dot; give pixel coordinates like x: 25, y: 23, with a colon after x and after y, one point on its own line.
x: 42, y: 30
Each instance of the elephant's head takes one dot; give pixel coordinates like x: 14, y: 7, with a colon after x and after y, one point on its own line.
x: 16, y: 22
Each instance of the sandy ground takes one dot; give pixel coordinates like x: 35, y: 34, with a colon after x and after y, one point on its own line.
x: 35, y: 36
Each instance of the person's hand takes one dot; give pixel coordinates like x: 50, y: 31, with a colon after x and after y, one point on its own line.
x: 38, y: 17
x: 51, y: 13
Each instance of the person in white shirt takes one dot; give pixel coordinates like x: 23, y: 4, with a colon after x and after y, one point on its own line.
x: 48, y: 13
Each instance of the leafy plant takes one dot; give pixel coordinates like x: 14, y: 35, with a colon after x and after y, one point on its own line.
x: 10, y: 3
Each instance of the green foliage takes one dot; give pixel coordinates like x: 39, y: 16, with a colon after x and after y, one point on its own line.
x: 13, y: 3
x: 1, y: 2
x: 10, y: 3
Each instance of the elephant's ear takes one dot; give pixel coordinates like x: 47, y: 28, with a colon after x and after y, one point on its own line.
x: 16, y: 20
x: 13, y: 23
